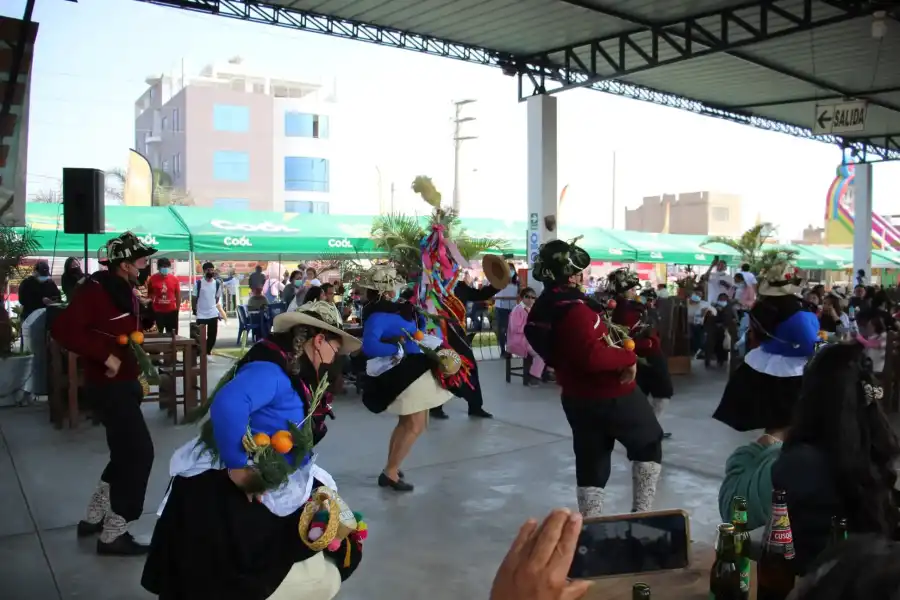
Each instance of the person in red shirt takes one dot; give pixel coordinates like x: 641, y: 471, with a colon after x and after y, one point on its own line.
x: 164, y: 292
x: 104, y: 309
x: 599, y: 394
x: 632, y: 311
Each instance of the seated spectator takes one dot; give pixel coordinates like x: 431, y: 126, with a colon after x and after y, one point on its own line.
x: 838, y: 456
x: 515, y: 336
x: 861, y: 568
x: 833, y: 318
x: 257, y: 301
x: 873, y: 335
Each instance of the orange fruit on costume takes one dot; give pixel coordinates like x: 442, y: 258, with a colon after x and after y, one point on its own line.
x: 628, y: 344
x: 122, y: 340
x: 419, y: 336
x: 137, y: 337
x: 262, y: 439
x: 282, y: 442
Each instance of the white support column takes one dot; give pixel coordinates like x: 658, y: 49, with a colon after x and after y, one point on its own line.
x: 862, y: 221
x: 542, y: 187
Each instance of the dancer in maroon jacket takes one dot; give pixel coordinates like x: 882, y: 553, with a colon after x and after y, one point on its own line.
x: 632, y: 312
x: 104, y: 309
x: 599, y: 394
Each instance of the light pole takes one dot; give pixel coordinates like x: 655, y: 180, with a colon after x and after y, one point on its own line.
x: 458, y: 139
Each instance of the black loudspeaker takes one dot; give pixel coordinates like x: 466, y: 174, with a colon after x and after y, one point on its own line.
x: 83, y: 191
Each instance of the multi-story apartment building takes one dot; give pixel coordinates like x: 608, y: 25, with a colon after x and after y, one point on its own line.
x: 236, y: 139
x: 698, y: 213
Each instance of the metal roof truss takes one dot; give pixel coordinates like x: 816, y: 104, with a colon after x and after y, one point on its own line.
x: 601, y: 63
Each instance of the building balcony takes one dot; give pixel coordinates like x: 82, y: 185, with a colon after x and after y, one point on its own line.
x: 153, y: 139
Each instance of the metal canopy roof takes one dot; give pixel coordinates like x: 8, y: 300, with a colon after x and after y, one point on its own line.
x: 765, y: 63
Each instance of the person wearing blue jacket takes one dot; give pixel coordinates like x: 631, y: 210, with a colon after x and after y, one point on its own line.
x: 228, y: 526
x: 399, y: 375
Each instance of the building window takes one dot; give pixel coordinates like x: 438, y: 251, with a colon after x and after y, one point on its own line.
x: 721, y: 214
x: 176, y: 165
x: 164, y: 122
x: 297, y: 124
x: 303, y: 174
x: 231, y: 166
x: 165, y: 166
x: 227, y: 117
x: 176, y: 120
x: 306, y: 207
x: 259, y: 88
x: 231, y: 203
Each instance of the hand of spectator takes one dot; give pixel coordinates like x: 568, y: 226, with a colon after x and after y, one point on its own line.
x: 537, y: 564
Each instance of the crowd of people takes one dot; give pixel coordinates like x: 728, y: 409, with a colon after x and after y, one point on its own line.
x: 228, y: 527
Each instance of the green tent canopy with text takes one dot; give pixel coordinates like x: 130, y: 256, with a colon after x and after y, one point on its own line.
x: 156, y: 226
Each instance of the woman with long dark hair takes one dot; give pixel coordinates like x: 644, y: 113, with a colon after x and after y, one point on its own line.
x: 71, y: 277
x: 838, y: 457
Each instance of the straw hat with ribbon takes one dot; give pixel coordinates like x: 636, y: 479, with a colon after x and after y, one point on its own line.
x: 382, y: 279
x: 496, y: 271
x: 320, y: 315
x: 781, y: 279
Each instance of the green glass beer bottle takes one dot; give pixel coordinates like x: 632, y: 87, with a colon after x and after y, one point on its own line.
x: 725, y: 575
x: 838, y: 530
x: 741, y: 542
x: 640, y: 591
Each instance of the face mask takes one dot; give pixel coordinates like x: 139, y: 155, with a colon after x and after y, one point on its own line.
x: 164, y: 271
x: 209, y: 274
x: 512, y: 272
x: 695, y: 298
x: 721, y: 304
x: 43, y: 278
x: 642, y: 300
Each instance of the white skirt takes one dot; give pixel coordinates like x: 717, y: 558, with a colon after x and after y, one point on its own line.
x: 316, y: 578
x: 424, y: 393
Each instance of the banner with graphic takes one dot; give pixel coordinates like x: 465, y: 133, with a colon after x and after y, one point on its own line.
x: 138, y: 187
x: 14, y: 126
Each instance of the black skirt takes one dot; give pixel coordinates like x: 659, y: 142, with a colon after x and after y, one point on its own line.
x: 379, y: 392
x: 653, y: 377
x: 211, y: 542
x: 754, y: 400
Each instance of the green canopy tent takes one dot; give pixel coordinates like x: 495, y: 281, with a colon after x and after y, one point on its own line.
x: 806, y: 257
x: 840, y: 258
x: 256, y: 234
x: 156, y: 226
x: 675, y: 249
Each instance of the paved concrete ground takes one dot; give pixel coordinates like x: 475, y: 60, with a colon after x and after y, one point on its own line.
x: 476, y: 482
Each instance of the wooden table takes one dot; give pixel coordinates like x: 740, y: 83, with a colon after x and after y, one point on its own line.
x: 686, y: 584
x: 154, y: 345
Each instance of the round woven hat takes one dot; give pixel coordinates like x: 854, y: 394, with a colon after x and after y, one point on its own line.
x: 496, y: 270
x: 321, y: 315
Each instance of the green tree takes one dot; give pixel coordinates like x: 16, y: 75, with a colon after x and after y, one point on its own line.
x: 164, y: 191
x: 755, y: 248
x: 15, y: 245
x: 399, y: 236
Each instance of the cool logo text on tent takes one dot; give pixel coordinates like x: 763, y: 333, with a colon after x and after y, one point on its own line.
x: 148, y: 239
x: 345, y: 243
x: 265, y: 226
x: 237, y: 241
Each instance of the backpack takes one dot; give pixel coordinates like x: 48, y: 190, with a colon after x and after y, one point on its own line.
x: 268, y: 293
x: 218, y: 289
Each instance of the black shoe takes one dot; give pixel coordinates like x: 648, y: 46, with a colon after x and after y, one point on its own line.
x: 86, y: 529
x: 397, y: 486
x: 480, y: 412
x: 438, y: 413
x: 666, y: 435
x: 124, y: 545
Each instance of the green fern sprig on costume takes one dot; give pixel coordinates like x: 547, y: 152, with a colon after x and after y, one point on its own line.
x: 304, y: 435
x: 148, y: 369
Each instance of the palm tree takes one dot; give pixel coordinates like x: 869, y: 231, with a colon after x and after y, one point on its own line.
x: 164, y: 192
x: 46, y: 197
x: 15, y: 245
x: 399, y: 236
x: 754, y: 247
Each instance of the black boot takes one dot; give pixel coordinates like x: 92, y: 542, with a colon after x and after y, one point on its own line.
x: 480, y: 413
x: 438, y: 413
x: 86, y: 529
x: 124, y: 545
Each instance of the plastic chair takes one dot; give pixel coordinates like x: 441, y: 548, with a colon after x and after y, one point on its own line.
x: 251, y: 322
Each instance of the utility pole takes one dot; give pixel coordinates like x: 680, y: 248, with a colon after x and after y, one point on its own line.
x: 458, y: 139
x: 612, y: 216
